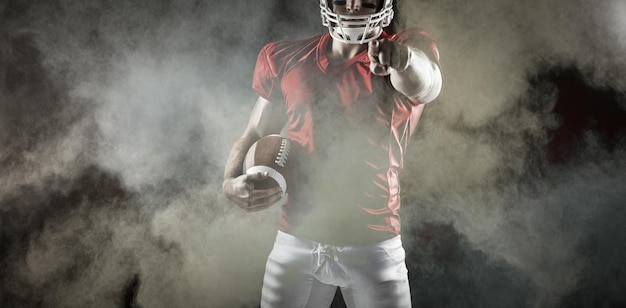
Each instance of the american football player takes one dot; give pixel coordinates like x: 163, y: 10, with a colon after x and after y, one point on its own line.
x: 350, y: 98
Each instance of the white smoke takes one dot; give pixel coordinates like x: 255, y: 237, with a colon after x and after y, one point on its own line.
x: 477, y: 142
x: 156, y: 92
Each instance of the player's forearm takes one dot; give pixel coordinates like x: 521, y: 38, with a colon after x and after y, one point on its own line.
x: 234, y: 163
x: 419, y: 79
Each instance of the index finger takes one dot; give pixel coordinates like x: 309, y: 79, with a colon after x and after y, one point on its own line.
x: 267, y: 192
x: 385, y: 53
x: 373, y: 51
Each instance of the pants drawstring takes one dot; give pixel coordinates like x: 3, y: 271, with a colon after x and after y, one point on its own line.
x: 326, y: 251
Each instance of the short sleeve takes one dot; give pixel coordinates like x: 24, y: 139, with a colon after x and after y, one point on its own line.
x: 264, y: 80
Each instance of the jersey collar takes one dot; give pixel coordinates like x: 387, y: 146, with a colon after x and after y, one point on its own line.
x: 322, y: 58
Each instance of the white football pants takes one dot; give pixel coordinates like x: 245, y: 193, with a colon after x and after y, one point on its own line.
x: 303, y: 273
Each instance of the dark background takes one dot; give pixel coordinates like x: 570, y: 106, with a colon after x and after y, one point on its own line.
x: 116, y: 118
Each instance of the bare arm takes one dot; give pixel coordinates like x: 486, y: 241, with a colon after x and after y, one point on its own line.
x: 411, y: 71
x: 265, y: 119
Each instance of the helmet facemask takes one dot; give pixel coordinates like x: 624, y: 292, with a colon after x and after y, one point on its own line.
x: 356, y: 29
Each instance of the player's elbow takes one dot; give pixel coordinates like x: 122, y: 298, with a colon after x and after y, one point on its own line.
x: 421, y: 82
x: 431, y: 87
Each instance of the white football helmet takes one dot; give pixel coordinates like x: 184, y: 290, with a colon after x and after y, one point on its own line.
x: 356, y: 29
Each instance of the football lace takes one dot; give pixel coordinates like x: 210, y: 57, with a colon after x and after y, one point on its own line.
x: 283, y: 152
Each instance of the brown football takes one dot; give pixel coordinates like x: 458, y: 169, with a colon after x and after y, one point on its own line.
x: 269, y: 154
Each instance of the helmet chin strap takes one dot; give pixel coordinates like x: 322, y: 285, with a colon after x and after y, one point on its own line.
x: 355, y: 35
x: 352, y: 35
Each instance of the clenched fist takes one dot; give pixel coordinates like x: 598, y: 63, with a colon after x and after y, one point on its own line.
x: 386, y: 55
x: 242, y: 192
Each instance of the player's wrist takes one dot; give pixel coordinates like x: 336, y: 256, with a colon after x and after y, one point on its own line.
x: 227, y: 183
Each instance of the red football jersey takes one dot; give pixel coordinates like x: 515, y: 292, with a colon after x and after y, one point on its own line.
x: 354, y: 125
